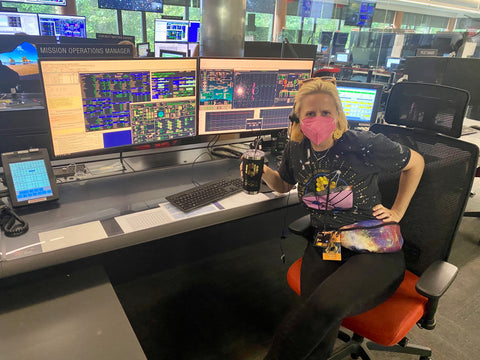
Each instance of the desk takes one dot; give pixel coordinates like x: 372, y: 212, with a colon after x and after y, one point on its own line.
x: 74, y: 315
x: 100, y: 215
x: 473, y: 138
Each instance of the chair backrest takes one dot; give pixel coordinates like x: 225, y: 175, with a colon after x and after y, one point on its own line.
x: 431, y: 221
x: 433, y: 107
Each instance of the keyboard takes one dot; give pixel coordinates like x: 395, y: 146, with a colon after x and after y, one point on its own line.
x: 205, y: 194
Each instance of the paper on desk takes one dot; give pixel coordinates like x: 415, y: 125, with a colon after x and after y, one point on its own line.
x: 164, y: 214
x: 167, y: 213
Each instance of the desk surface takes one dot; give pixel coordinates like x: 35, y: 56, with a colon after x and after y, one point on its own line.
x: 104, y: 214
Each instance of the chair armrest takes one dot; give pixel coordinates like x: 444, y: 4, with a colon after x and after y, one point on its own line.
x: 300, y: 226
x: 432, y: 284
x: 436, y: 279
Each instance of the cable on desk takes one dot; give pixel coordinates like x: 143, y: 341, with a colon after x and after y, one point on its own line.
x: 284, y: 230
x: 193, y: 163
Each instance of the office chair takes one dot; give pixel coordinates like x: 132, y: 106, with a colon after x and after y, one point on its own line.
x: 429, y: 225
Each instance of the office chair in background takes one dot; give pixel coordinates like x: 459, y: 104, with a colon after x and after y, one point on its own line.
x: 429, y: 225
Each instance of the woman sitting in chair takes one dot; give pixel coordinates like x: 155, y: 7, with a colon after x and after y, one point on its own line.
x: 354, y: 260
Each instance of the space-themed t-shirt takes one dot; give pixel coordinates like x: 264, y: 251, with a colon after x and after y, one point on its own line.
x: 339, y: 186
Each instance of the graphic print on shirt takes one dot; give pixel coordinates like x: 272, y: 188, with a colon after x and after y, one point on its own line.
x: 328, y: 189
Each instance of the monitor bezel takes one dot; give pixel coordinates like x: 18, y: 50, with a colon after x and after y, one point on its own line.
x: 182, y: 53
x: 242, y: 133
x: 121, y: 148
x: 376, y: 103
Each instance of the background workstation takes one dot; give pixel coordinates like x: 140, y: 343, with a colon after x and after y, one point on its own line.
x: 210, y: 284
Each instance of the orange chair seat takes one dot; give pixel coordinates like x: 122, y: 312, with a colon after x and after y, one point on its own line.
x: 389, y: 322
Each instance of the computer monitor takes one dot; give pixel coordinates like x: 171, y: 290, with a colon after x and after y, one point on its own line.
x: 135, y: 5
x: 98, y: 106
x: 62, y: 25
x: 360, y: 101
x: 171, y: 46
x: 13, y: 23
x: 339, y: 42
x: 40, y: 2
x: 342, y: 58
x: 193, y: 31
x: 248, y: 95
x: 172, y: 54
x: 392, y: 63
x: 143, y: 49
x: 171, y: 30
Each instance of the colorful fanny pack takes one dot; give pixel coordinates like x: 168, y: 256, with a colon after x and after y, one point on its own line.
x: 373, y: 236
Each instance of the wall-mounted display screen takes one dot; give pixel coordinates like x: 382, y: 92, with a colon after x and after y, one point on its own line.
x: 62, y: 25
x: 134, y: 5
x: 40, y: 2
x: 360, y: 13
x: 244, y: 95
x: 100, y: 105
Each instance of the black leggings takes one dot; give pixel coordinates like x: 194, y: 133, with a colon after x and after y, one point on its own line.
x: 332, y: 291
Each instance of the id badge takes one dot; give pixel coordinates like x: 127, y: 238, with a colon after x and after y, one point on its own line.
x: 330, y: 244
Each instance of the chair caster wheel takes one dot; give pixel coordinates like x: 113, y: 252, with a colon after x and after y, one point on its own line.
x: 425, y: 358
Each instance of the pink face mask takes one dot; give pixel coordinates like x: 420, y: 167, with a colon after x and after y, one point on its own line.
x: 318, y: 129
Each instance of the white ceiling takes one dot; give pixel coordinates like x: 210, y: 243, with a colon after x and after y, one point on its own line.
x: 457, y: 9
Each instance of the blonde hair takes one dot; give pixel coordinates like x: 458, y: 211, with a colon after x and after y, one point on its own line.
x: 318, y: 86
x: 127, y: 42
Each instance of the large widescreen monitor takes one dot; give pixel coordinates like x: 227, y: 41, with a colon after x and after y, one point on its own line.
x: 97, y: 106
x: 248, y: 95
x: 171, y: 30
x: 13, y: 23
x: 133, y: 5
x: 62, y: 25
x: 360, y: 101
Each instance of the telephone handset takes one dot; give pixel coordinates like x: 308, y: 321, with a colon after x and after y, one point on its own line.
x: 10, y: 223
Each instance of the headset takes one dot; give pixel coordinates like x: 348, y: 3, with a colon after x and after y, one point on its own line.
x: 293, y: 116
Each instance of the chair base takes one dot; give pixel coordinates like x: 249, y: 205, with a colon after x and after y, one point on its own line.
x: 356, y: 347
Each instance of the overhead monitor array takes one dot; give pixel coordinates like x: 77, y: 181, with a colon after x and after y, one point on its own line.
x: 42, y: 24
